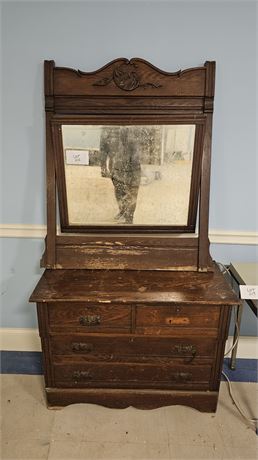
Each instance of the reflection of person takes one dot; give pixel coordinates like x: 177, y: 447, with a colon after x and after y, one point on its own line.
x: 124, y: 168
x: 126, y: 175
x: 108, y: 145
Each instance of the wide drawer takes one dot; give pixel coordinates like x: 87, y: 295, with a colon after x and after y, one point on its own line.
x: 164, y: 319
x: 131, y: 348
x: 91, y: 318
x: 119, y: 375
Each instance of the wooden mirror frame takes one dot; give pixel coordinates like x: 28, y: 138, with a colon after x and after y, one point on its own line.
x: 57, y: 124
x: 150, y: 95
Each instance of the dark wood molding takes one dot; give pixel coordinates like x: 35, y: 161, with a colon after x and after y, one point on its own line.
x: 141, y: 399
x: 149, y: 80
x: 205, y: 198
x: 128, y: 252
x: 105, y: 96
x: 57, y: 123
x: 49, y: 67
x: 51, y: 196
x: 210, y: 78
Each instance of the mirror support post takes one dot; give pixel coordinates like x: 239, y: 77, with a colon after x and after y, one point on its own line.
x: 50, y: 258
x: 204, y: 200
x: 203, y: 249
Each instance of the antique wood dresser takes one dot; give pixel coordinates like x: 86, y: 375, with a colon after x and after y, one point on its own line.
x: 131, y: 308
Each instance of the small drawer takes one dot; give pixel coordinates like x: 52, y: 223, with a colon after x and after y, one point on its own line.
x: 131, y: 348
x: 89, y: 318
x: 176, y: 316
x: 120, y: 375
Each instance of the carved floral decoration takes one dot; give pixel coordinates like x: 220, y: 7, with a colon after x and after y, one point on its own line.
x: 126, y: 77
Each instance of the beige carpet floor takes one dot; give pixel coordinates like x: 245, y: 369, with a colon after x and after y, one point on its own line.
x: 85, y: 431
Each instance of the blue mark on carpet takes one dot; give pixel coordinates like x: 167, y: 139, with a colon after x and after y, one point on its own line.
x: 246, y: 370
x: 21, y: 362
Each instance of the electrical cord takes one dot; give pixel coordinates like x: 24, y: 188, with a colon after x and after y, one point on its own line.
x: 254, y: 421
x: 236, y: 403
x: 223, y: 268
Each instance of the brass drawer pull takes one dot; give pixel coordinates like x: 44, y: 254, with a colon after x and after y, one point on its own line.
x: 177, y: 321
x: 89, y: 320
x: 86, y: 347
x: 185, y: 349
x: 82, y: 375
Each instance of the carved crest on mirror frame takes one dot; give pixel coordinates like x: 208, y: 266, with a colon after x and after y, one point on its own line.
x: 125, y: 77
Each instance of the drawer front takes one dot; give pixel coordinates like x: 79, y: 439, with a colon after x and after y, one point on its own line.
x: 132, y: 348
x: 118, y: 375
x: 173, y: 317
x: 89, y: 318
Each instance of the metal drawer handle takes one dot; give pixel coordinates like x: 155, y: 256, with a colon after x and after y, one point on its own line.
x: 89, y: 320
x: 82, y: 375
x: 183, y: 349
x: 86, y: 347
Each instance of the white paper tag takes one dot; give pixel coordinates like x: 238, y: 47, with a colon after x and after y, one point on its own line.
x: 248, y: 291
x: 77, y: 157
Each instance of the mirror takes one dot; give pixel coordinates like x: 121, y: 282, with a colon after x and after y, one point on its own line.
x: 132, y: 175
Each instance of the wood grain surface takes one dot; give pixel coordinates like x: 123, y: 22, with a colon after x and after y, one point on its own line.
x: 119, y: 286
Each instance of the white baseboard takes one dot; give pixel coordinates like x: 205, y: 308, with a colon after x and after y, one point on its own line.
x: 247, y: 347
x: 233, y: 237
x: 216, y: 236
x: 18, y: 339
x: 28, y: 340
x: 22, y: 231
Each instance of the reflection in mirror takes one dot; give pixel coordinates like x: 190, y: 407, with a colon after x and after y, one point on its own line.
x: 125, y: 175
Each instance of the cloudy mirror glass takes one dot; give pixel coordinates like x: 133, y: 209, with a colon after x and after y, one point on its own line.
x: 128, y: 175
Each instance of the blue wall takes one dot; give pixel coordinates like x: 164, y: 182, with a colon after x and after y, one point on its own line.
x: 87, y: 35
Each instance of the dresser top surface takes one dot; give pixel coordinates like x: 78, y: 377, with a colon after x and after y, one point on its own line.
x: 106, y: 286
